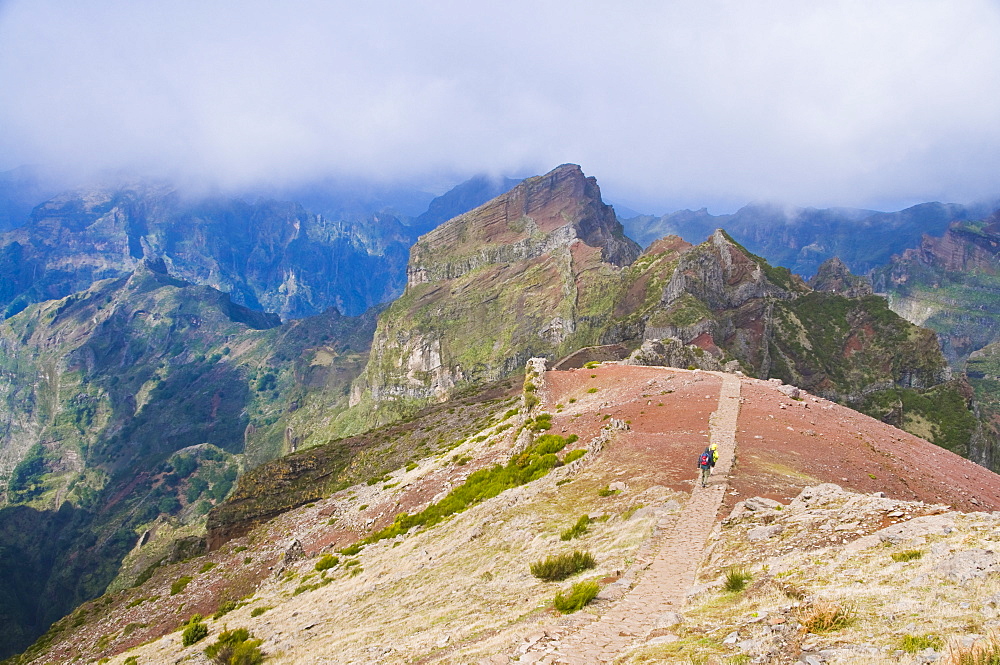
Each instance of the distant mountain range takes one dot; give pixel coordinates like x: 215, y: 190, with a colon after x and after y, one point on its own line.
x: 800, y: 239
x: 347, y: 252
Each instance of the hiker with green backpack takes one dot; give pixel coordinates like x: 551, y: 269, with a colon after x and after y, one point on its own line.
x: 706, y: 461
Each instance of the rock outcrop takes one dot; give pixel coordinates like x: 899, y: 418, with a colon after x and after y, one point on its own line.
x: 526, y: 274
x: 833, y: 276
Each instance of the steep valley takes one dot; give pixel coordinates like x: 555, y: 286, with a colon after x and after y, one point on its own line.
x: 128, y: 411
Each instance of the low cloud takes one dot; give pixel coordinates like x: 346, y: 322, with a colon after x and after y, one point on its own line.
x: 668, y: 104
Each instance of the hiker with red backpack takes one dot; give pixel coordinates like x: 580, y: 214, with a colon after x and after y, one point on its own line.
x: 706, y: 461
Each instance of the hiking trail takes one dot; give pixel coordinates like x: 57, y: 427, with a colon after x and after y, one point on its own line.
x: 672, y: 571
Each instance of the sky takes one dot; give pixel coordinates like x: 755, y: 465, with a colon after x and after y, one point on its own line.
x: 669, y: 104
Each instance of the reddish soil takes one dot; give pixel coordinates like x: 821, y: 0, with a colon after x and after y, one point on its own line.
x: 826, y: 442
x: 783, y: 444
x: 667, y: 410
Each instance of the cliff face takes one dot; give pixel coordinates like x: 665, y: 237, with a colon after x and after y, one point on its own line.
x: 950, y: 284
x: 528, y: 273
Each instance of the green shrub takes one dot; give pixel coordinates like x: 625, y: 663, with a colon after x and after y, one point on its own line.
x: 574, y: 455
x: 225, y: 608
x: 540, y: 425
x: 209, y: 565
x: 351, y: 550
x: 580, y: 594
x: 561, y: 566
x: 411, y: 466
x: 592, y: 364
x: 907, y: 555
x: 592, y: 390
x: 326, y: 562
x: 915, y: 643
x: 235, y: 647
x: 577, y: 529
x: 131, y: 660
x: 179, y: 584
x: 194, y: 630
x: 257, y: 611
x: 607, y: 491
x: 736, y: 579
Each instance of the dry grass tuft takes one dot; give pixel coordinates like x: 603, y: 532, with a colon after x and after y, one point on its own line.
x: 824, y: 616
x: 983, y: 652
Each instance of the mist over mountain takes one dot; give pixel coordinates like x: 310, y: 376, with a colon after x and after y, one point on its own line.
x: 802, y: 238
x: 348, y: 250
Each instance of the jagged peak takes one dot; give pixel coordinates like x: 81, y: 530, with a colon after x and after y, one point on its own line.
x: 538, y: 215
x: 723, y: 274
x: 834, y: 276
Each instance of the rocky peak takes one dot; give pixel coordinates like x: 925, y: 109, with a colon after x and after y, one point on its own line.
x: 539, y: 215
x: 723, y: 275
x: 833, y: 276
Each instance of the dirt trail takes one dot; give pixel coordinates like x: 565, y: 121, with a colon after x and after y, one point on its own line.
x: 672, y: 571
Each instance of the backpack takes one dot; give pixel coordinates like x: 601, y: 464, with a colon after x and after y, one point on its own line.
x: 705, y: 459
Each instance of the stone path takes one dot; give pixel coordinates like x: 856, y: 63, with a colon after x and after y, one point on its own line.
x: 672, y: 571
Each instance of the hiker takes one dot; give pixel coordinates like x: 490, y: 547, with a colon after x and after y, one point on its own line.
x: 706, y: 461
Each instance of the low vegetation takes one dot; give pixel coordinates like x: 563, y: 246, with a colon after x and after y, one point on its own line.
x: 561, y: 566
x: 579, y: 595
x: 736, y: 579
x: 235, y: 647
x: 326, y: 562
x: 180, y: 584
x: 907, y: 555
x: 915, y: 643
x: 578, y: 529
x: 983, y: 652
x: 532, y: 464
x: 824, y: 616
x: 226, y: 607
x: 195, y: 630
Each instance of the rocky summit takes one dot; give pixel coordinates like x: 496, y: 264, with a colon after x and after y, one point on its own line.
x: 821, y: 534
x: 528, y: 273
